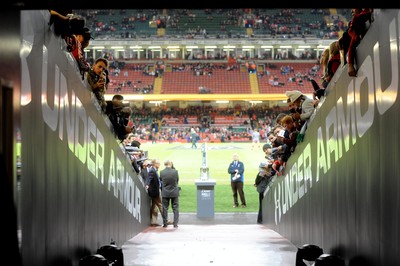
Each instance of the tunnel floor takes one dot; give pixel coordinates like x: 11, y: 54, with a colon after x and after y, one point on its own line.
x: 225, y: 239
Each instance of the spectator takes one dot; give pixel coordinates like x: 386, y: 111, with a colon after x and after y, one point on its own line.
x: 284, y: 152
x: 114, y: 105
x: 324, y: 61
x: 153, y: 136
x: 318, y: 92
x: 133, y: 140
x: 170, y: 192
x: 333, y: 62
x: 301, y: 101
x: 119, y: 116
x: 98, y: 80
x: 65, y: 24
x: 236, y: 170
x: 279, y: 117
x: 134, y: 154
x: 76, y: 43
x: 279, y: 165
x: 255, y: 139
x: 357, y: 29
x: 290, y: 132
x: 344, y: 42
x: 307, y: 106
x: 272, y: 149
x: 193, y: 138
x: 263, y: 178
x: 127, y: 141
x: 293, y: 109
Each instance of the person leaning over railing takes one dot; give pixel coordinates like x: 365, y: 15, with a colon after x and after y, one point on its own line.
x: 97, y: 78
x: 263, y: 178
x: 357, y: 29
x: 307, y: 106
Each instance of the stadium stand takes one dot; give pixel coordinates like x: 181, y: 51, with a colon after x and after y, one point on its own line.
x: 219, y: 80
x: 224, y: 23
x: 278, y: 81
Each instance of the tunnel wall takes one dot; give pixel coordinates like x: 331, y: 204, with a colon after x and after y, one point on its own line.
x: 78, y: 191
x: 341, y: 186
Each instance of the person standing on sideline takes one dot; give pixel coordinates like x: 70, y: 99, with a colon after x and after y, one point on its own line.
x: 153, y: 187
x: 261, y: 182
x: 255, y: 138
x: 170, y: 192
x: 236, y: 170
x: 193, y: 137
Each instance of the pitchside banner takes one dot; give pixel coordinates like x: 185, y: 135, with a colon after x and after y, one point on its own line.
x: 341, y: 185
x: 78, y: 190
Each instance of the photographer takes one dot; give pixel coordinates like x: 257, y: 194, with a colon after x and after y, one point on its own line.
x: 119, y: 115
x: 120, y: 122
x: 135, y: 155
x: 131, y: 139
x: 98, y: 80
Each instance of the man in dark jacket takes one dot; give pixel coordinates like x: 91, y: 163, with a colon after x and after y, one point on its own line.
x: 236, y: 171
x: 153, y: 187
x: 144, y: 173
x: 170, y: 192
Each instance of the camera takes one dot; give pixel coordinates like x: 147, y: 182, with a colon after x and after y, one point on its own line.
x: 141, y: 156
x: 96, y: 78
x: 132, y: 150
x: 93, y: 76
x: 141, y: 160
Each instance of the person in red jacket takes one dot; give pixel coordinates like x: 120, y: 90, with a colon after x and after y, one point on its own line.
x: 357, y: 29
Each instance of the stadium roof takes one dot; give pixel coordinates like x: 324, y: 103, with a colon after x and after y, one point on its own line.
x: 158, y: 4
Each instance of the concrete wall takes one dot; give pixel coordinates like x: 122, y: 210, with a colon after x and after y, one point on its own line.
x: 340, y: 188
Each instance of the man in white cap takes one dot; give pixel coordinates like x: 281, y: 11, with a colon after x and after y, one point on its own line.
x: 307, y: 106
x: 301, y: 101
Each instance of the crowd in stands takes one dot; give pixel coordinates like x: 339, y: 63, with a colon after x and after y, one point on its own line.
x: 147, y: 119
x: 191, y: 23
x: 134, y: 78
x: 282, y: 129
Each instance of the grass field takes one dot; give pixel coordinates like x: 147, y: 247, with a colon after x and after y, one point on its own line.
x: 188, y: 162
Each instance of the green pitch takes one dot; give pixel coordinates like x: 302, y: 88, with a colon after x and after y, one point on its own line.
x: 188, y: 162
